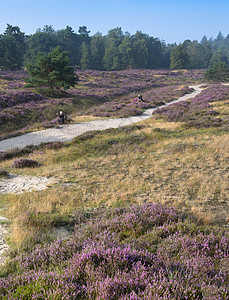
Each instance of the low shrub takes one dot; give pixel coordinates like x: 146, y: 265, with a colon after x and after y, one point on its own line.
x: 4, y: 155
x: 16, y: 152
x: 54, y: 145
x: 141, y: 252
x: 25, y: 163
x: 3, y: 173
x: 198, y: 112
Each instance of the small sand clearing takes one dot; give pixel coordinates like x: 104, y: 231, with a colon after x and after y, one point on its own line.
x: 16, y: 184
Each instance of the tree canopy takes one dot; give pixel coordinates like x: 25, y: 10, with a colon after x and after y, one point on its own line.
x: 12, y: 48
x: 218, y: 72
x: 52, y: 70
x: 117, y: 50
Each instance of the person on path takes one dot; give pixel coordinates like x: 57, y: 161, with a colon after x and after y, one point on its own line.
x: 140, y: 98
x: 61, y: 117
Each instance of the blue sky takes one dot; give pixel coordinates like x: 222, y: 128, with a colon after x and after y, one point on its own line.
x: 171, y: 21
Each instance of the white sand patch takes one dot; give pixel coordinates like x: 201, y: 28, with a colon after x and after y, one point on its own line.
x: 17, y: 184
x: 3, y: 233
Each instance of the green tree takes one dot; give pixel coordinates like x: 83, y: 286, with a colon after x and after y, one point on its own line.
x: 112, y: 57
x: 207, y: 53
x: 219, y: 41
x: 12, y: 48
x: 85, y: 57
x: 52, y: 70
x: 83, y: 31
x: 179, y: 57
x: 219, y: 55
x: 69, y: 41
x: 97, y: 49
x: 141, y: 52
x: 126, y: 51
x: 217, y: 72
x: 166, y: 54
x: 42, y: 41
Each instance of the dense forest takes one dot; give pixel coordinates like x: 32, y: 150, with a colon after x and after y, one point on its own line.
x: 115, y: 51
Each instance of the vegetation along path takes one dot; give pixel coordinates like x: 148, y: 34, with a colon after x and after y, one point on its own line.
x: 68, y: 132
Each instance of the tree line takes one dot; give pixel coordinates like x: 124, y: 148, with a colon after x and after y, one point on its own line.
x: 115, y: 51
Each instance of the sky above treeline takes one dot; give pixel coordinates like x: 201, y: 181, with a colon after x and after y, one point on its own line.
x: 169, y: 20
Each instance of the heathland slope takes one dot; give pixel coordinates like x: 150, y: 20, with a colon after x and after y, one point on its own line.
x: 145, y: 206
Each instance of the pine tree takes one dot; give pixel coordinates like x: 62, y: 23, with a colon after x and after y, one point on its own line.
x: 179, y: 57
x: 217, y: 72
x: 85, y: 57
x: 52, y: 70
x: 12, y: 48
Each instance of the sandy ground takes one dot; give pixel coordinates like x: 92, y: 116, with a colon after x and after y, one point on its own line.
x: 3, y: 233
x: 19, y: 184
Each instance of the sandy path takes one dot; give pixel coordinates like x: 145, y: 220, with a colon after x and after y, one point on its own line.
x: 68, y: 132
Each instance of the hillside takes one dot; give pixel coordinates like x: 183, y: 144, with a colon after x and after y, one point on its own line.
x: 144, y: 208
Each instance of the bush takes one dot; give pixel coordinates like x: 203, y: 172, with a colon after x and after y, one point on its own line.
x: 25, y: 163
x: 16, y: 152
x: 54, y: 145
x: 141, y: 252
x: 3, y: 173
x: 198, y: 112
x: 217, y: 72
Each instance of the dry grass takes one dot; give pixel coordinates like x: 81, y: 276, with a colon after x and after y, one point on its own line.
x: 183, y: 168
x: 222, y: 107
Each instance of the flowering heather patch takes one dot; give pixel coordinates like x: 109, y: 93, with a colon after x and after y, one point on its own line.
x: 129, y: 107
x: 17, y: 98
x: 13, y: 75
x: 20, y: 106
x: 198, y: 111
x: 106, y: 85
x: 146, y: 252
x: 33, y: 111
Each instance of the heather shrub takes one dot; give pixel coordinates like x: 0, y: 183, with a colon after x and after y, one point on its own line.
x: 18, y: 97
x: 25, y: 163
x: 141, y: 252
x: 16, y: 152
x: 3, y: 173
x: 197, y: 112
x: 152, y: 98
x: 54, y: 145
x: 10, y: 154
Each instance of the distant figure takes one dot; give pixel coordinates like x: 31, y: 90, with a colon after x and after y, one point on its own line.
x: 61, y: 117
x: 140, y: 98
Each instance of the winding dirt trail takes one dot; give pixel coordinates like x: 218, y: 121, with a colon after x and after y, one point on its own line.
x: 68, y: 132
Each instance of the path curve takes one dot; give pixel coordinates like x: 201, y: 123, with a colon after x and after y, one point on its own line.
x: 68, y: 132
